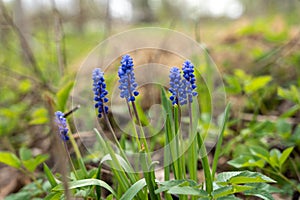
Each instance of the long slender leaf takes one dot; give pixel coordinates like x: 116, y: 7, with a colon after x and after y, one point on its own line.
x: 285, y: 154
x: 220, y: 140
x: 49, y: 176
x: 84, y: 183
x: 134, y: 189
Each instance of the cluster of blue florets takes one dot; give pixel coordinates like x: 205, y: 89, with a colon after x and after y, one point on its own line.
x: 127, y: 80
x: 182, y: 86
x: 62, y: 125
x: 182, y: 89
x: 100, y: 92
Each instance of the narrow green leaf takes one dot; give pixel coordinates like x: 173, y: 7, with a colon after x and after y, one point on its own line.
x: 220, y: 140
x: 285, y: 154
x: 49, y: 176
x: 121, y: 160
x: 10, y: 159
x: 63, y: 95
x: 84, y: 183
x: 53, y: 196
x: 134, y: 189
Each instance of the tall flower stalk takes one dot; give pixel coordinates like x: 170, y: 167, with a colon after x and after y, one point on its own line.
x: 100, y: 98
x: 128, y: 91
x: 182, y: 89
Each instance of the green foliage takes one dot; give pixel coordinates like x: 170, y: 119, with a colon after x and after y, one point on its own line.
x: 32, y: 191
x: 62, y: 96
x: 292, y: 94
x: 39, y: 116
x: 84, y: 183
x: 49, y: 176
x: 26, y: 160
x: 134, y: 189
x: 10, y: 159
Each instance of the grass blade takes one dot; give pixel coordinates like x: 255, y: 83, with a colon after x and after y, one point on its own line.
x: 220, y: 140
x: 134, y: 189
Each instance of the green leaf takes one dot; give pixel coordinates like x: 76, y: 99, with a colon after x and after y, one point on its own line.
x: 262, y: 190
x: 53, y: 196
x: 260, y: 152
x: 285, y: 154
x: 10, y: 159
x: 274, y: 158
x: 49, y: 176
x: 63, y: 95
x: 220, y: 140
x: 33, y: 163
x: 238, y: 177
x: 168, y: 184
x: 257, y: 83
x: 228, y: 190
x: 25, y: 153
x: 39, y: 116
x: 84, y: 183
x: 233, y: 83
x: 187, y: 190
x: 121, y: 160
x: 246, y: 161
x: 245, y: 179
x: 225, y: 176
x: 134, y: 189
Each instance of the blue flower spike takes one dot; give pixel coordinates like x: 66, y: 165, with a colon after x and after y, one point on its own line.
x: 189, y: 80
x: 127, y: 81
x: 62, y: 125
x: 175, y: 85
x: 100, y: 92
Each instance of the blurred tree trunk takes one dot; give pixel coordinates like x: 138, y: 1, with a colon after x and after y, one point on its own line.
x: 21, y: 22
x: 81, y: 16
x: 142, y: 11
x: 108, y: 19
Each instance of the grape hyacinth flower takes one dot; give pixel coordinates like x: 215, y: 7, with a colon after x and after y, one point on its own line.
x: 99, y: 88
x: 176, y: 86
x: 62, y: 125
x: 189, y: 80
x: 127, y: 79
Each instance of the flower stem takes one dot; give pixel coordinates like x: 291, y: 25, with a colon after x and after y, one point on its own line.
x: 134, y: 127
x: 141, y: 128
x: 192, y: 152
x: 205, y: 164
x: 69, y: 157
